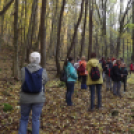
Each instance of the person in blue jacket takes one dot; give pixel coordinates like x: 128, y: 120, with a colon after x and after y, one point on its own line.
x: 71, y: 79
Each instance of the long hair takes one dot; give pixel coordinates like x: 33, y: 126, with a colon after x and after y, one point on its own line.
x: 69, y: 59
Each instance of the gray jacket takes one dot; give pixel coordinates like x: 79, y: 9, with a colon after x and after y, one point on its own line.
x: 33, y: 98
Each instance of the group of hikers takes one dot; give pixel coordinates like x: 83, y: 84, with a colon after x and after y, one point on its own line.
x: 90, y: 73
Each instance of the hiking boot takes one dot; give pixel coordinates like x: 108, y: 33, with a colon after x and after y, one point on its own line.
x: 90, y: 110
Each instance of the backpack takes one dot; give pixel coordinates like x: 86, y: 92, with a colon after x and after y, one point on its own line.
x: 95, y: 74
x: 63, y: 76
x: 33, y: 81
x: 81, y: 69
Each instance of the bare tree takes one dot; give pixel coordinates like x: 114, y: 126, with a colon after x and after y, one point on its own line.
x: 15, y: 42
x: 58, y: 37
x: 43, y: 34
x: 76, y: 29
x: 84, y: 29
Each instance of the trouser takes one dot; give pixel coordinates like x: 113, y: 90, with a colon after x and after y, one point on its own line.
x: 116, y: 87
x: 79, y: 77
x: 103, y: 75
x: 108, y: 82
x: 92, y: 90
x: 125, y: 84
x: 83, y: 82
x: 36, y: 112
x: 69, y: 93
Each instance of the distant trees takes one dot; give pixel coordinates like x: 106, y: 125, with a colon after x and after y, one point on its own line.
x: 60, y: 28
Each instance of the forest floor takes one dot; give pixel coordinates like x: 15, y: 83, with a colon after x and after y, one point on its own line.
x: 117, y: 117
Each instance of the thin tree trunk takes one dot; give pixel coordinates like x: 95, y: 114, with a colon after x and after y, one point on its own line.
x: 30, y: 35
x: 58, y: 37
x: 43, y: 34
x: 90, y: 29
x: 132, y: 57
x: 15, y: 42
x: 75, y: 30
x: 84, y: 29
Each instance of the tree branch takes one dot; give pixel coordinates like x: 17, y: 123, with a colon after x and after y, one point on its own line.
x: 6, y: 7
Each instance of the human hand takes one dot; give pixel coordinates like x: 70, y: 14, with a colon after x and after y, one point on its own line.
x: 122, y: 75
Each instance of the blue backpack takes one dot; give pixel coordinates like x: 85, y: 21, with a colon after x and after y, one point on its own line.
x: 33, y: 81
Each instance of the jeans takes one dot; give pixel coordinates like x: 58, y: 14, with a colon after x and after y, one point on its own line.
x: 98, y: 89
x: 36, y: 112
x: 116, y: 87
x: 69, y: 93
x: 108, y: 82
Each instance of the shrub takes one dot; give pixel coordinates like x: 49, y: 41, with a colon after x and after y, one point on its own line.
x: 7, y: 107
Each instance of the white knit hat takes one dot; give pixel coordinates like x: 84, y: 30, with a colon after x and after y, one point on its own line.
x: 35, y: 57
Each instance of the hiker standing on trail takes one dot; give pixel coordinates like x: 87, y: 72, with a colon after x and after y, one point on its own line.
x: 124, y: 78
x: 94, y: 79
x: 71, y: 79
x: 83, y: 72
x: 32, y: 97
x: 107, y: 70
x: 116, y: 77
x: 131, y: 68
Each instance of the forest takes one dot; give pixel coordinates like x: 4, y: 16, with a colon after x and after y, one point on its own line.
x: 59, y: 29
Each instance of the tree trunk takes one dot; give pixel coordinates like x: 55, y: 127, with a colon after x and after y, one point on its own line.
x: 24, y: 45
x: 43, y: 34
x: 84, y: 29
x: 75, y: 30
x: 15, y: 42
x: 58, y: 37
x: 132, y: 57
x: 90, y: 29
x: 31, y: 25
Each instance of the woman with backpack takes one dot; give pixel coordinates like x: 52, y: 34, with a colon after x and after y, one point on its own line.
x: 71, y: 79
x: 116, y: 77
x: 82, y: 72
x: 107, y: 70
x: 32, y: 97
x: 94, y: 80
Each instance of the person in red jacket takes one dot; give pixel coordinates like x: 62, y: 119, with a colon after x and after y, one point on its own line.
x: 131, y: 67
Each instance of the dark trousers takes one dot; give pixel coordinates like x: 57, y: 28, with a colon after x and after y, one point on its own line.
x: 83, y: 82
x: 125, y: 84
x: 98, y: 90
x: 69, y: 93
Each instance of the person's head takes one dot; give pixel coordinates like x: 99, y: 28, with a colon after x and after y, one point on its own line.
x: 93, y: 55
x: 103, y: 58
x: 123, y: 65
x: 83, y: 58
x: 118, y: 62
x: 35, y: 57
x: 71, y: 60
x: 108, y: 59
